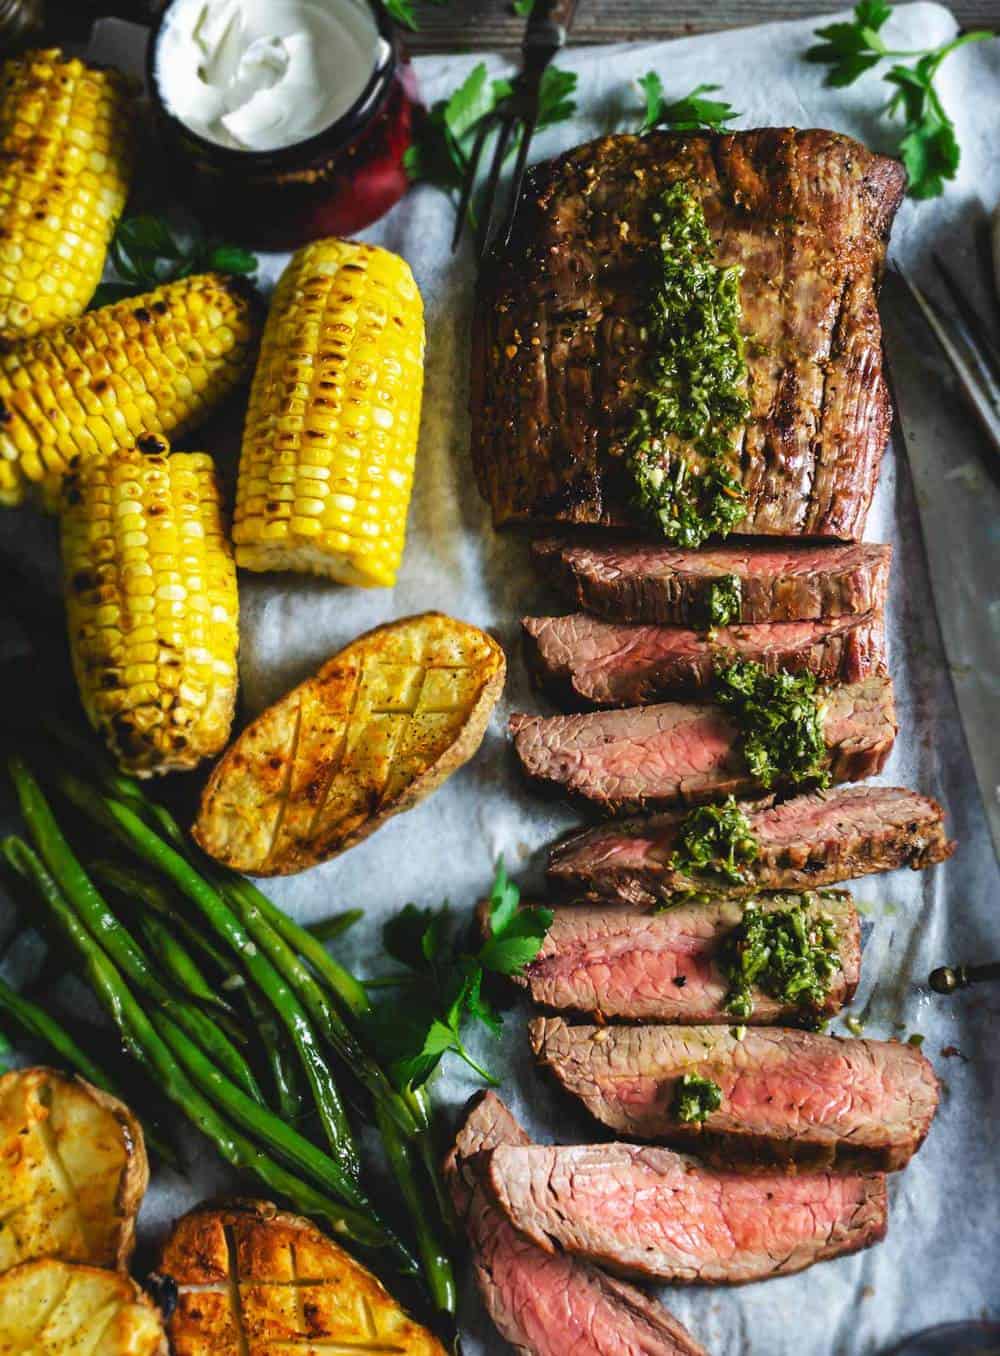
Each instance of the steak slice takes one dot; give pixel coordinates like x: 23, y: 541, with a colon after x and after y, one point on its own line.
x: 558, y: 350
x: 677, y: 751
x: 785, y: 1094
x: 582, y: 660
x: 663, y: 967
x: 812, y: 840
x: 646, y: 1211
x: 665, y: 585
x: 544, y: 1303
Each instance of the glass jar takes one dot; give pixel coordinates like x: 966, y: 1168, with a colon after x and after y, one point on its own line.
x: 332, y: 183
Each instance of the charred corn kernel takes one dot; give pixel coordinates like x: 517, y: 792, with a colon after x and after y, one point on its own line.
x: 66, y: 151
x: 331, y: 430
x: 158, y: 363
x: 151, y: 604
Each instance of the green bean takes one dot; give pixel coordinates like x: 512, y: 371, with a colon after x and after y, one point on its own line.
x: 288, y: 1092
x: 142, y: 1040
x: 156, y: 853
x: 182, y: 970
x: 107, y: 929
x: 134, y: 884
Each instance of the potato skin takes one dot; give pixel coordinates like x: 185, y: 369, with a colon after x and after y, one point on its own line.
x: 69, y: 1301
x: 275, y: 1254
x: 381, y: 725
x: 62, y: 1137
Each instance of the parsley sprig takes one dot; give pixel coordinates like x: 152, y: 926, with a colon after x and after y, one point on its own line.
x: 403, y: 12
x: 146, y: 253
x: 442, y: 986
x: 688, y: 114
x: 928, y: 146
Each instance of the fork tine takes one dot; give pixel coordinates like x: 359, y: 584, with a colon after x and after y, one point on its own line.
x: 470, y: 182
x: 503, y: 235
x: 493, y: 183
x: 987, y: 351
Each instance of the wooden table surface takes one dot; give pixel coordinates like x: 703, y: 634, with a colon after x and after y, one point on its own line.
x: 487, y: 25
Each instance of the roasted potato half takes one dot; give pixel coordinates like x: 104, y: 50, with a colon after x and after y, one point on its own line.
x: 73, y: 1171
x: 380, y: 726
x: 252, y: 1279
x: 51, y: 1308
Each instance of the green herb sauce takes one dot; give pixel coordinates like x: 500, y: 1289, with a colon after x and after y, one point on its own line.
x: 789, y: 954
x: 724, y: 603
x: 780, y: 720
x: 696, y: 383
x: 695, y: 1099
x: 716, y: 840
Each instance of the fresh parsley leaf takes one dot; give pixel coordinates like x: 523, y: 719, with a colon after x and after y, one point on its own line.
x: 145, y: 253
x: 556, y: 102
x: 448, y: 987
x: 402, y: 12
x: 523, y: 8
x: 688, y: 114
x: 928, y: 145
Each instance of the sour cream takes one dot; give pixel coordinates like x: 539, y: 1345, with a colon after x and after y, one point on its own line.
x: 259, y: 75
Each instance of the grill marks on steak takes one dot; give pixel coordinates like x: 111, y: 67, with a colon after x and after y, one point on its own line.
x: 648, y: 1211
x: 677, y: 752
x: 615, y: 962
x: 546, y: 1304
x: 819, y: 839
x: 785, y: 1094
x: 590, y: 661
x: 558, y: 353
x: 664, y: 585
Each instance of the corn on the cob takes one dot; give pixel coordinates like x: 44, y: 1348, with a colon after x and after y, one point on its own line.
x: 331, y: 430
x: 158, y: 363
x: 66, y: 152
x: 151, y: 604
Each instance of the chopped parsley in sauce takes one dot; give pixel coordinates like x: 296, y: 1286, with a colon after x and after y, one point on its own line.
x: 696, y: 383
x: 695, y: 1099
x: 780, y: 720
x: 716, y: 840
x: 789, y: 954
x: 724, y: 602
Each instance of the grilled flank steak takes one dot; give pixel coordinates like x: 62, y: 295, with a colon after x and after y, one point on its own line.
x: 546, y: 1303
x: 559, y: 350
x: 668, y: 967
x: 582, y: 660
x: 783, y: 1094
x: 633, y: 581
x: 806, y: 841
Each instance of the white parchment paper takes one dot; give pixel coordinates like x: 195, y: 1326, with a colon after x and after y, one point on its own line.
x: 942, y: 1257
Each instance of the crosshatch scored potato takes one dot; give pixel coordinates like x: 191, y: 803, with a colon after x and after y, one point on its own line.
x: 254, y: 1280
x: 73, y: 1171
x: 50, y: 1308
x: 380, y: 726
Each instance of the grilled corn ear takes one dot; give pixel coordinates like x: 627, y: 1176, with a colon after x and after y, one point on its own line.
x: 151, y: 604
x: 381, y: 725
x: 331, y: 430
x: 73, y: 1171
x: 158, y: 363
x: 250, y: 1278
x: 50, y: 1308
x: 66, y: 150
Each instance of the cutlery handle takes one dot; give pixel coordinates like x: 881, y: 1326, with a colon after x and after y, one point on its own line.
x: 549, y: 15
x: 948, y: 978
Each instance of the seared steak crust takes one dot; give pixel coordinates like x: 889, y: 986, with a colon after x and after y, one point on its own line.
x: 543, y: 1303
x: 665, y: 585
x: 785, y: 1094
x: 807, y: 841
x: 557, y: 350
x: 582, y: 660
x: 613, y: 961
x: 647, y: 756
x: 647, y: 1211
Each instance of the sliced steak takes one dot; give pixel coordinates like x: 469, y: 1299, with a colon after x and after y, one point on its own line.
x: 544, y: 1303
x: 665, y: 585
x: 646, y: 756
x: 785, y: 1094
x: 646, y: 1211
x: 559, y: 350
x: 819, y: 839
x: 615, y: 962
x: 582, y: 660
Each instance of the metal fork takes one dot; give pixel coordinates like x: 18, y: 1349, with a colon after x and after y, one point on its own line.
x: 544, y: 36
x: 966, y: 342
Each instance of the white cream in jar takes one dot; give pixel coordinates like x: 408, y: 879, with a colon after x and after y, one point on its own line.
x: 259, y: 75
